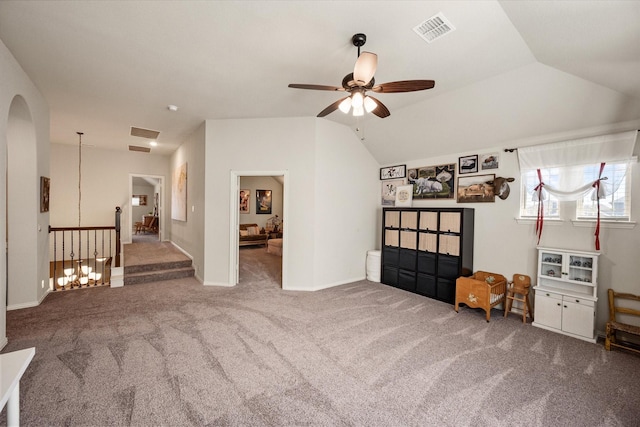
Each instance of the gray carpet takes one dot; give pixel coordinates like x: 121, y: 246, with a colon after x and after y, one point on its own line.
x: 177, y: 353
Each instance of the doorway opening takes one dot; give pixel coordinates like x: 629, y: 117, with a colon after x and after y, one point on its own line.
x: 146, y: 219
x: 259, y: 207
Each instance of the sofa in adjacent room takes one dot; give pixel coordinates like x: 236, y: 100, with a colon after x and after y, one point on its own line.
x: 251, y: 234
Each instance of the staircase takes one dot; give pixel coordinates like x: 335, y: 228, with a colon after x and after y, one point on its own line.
x: 144, y: 273
x: 153, y: 262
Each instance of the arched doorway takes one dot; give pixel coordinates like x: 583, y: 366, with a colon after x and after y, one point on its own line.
x: 22, y: 209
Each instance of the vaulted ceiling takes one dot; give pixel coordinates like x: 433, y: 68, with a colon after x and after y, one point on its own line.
x: 511, y: 71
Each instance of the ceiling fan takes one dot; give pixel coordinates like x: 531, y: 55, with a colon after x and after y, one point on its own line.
x: 360, y: 81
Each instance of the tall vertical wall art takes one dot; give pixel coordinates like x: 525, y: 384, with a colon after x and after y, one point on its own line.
x: 179, y: 193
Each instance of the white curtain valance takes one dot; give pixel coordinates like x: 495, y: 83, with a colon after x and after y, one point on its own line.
x: 594, y: 150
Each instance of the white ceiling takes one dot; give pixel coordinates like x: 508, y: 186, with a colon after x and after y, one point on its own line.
x: 512, y: 71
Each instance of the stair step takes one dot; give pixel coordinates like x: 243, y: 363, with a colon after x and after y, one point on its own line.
x: 158, y: 275
x: 141, y: 268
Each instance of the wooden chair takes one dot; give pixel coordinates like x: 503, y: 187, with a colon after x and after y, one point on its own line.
x: 613, y: 325
x: 150, y: 224
x: 519, y: 286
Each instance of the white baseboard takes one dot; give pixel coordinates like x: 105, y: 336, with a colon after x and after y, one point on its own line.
x: 224, y: 285
x: 182, y: 250
x: 326, y: 286
x: 3, y: 342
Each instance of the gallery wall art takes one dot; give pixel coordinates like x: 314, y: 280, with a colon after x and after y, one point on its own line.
x: 475, y: 189
x: 433, y: 182
x: 245, y: 201
x: 388, y: 191
x: 179, y: 193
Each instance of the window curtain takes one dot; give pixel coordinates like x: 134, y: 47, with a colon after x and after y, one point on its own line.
x: 570, y: 157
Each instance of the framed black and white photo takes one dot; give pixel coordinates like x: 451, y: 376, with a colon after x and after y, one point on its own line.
x: 468, y: 164
x: 393, y: 172
x: 489, y: 161
x: 388, y: 191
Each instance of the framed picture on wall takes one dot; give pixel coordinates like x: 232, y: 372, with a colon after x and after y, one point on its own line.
x: 475, y: 189
x: 45, y: 185
x: 263, y: 202
x: 489, y: 161
x: 468, y: 164
x: 404, y: 196
x: 245, y: 201
x: 393, y: 172
x: 388, y: 191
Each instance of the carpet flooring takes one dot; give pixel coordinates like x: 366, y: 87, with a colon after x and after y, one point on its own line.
x: 176, y: 353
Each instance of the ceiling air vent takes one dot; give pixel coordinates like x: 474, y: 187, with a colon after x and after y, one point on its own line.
x: 144, y: 133
x: 434, y: 28
x: 142, y: 149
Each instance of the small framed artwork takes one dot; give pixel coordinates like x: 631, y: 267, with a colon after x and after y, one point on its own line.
x: 393, y: 172
x: 142, y: 199
x: 388, y: 191
x: 45, y: 185
x: 263, y: 202
x: 475, y: 189
x: 245, y: 200
x: 404, y: 195
x: 489, y: 161
x: 468, y: 164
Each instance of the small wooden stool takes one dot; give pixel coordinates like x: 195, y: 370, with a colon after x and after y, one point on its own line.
x: 519, y: 286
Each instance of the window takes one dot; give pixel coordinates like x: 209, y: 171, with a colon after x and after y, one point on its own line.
x: 528, y: 198
x: 616, y: 205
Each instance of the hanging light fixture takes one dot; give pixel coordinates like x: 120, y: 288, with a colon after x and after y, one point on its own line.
x: 79, y: 173
x: 358, y: 103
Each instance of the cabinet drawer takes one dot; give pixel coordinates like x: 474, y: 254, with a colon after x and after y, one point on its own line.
x: 543, y: 293
x: 577, y: 300
x: 408, y: 259
x: 426, y: 285
x: 450, y: 222
x: 390, y: 276
x: 446, y: 290
x: 448, y: 267
x: 407, y: 280
x: 449, y: 244
x: 427, y: 263
x: 390, y: 256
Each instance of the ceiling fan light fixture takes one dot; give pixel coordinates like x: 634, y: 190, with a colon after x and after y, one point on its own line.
x: 369, y: 104
x: 357, y: 100
x: 358, y: 111
x: 345, y: 105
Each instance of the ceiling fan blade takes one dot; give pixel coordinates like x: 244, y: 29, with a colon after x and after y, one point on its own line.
x: 315, y: 87
x: 403, y: 86
x: 365, y: 68
x: 331, y: 108
x: 381, y: 110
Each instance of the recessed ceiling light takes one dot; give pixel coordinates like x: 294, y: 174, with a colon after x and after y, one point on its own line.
x: 172, y: 107
x: 153, y: 143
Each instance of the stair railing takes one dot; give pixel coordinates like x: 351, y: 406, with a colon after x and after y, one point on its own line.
x: 83, y: 256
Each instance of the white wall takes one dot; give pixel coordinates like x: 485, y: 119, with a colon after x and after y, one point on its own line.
x: 254, y: 183
x: 189, y: 235
x: 24, y: 119
x: 105, y: 184
x: 290, y: 144
x: 346, y: 194
x: 506, y: 246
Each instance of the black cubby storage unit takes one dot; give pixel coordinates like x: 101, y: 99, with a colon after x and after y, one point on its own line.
x: 424, y: 250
